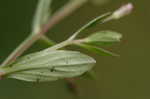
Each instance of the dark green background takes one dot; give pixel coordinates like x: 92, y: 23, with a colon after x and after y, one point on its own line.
x: 126, y: 77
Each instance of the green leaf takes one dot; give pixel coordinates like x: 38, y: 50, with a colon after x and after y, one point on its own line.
x: 41, y: 15
x: 48, y: 66
x: 92, y: 23
x: 103, y: 37
x: 97, y: 50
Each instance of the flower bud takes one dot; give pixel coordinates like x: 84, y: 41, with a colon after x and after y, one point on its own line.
x: 123, y: 11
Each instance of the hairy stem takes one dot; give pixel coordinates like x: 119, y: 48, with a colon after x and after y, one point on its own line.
x: 57, y: 17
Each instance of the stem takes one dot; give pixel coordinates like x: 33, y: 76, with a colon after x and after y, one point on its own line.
x: 86, y: 26
x: 62, y: 13
x: 60, y: 45
x: 64, y: 44
x: 57, y: 17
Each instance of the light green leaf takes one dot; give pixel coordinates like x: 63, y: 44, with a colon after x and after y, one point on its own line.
x: 97, y: 50
x: 41, y: 15
x: 103, y: 37
x: 48, y: 66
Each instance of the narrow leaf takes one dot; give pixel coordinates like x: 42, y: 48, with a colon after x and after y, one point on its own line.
x: 97, y: 50
x: 48, y: 66
x: 103, y: 37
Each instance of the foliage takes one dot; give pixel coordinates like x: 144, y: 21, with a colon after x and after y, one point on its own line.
x: 52, y: 63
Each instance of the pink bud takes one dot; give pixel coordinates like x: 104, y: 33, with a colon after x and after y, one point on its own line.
x: 123, y: 11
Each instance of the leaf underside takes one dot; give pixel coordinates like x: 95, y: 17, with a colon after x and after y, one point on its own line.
x: 48, y: 66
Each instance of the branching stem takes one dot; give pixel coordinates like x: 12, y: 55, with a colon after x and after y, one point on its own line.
x: 56, y: 18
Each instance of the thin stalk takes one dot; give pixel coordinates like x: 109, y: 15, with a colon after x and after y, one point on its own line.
x: 57, y: 17
x: 64, y: 44
x: 60, y: 45
x: 86, y: 26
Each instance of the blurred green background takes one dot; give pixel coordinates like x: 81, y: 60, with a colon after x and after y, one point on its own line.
x: 126, y: 77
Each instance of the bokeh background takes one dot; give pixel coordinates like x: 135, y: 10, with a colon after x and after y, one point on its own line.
x: 125, y: 77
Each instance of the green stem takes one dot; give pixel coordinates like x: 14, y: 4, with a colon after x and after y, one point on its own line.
x: 60, y: 45
x: 101, y: 20
x: 64, y: 44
